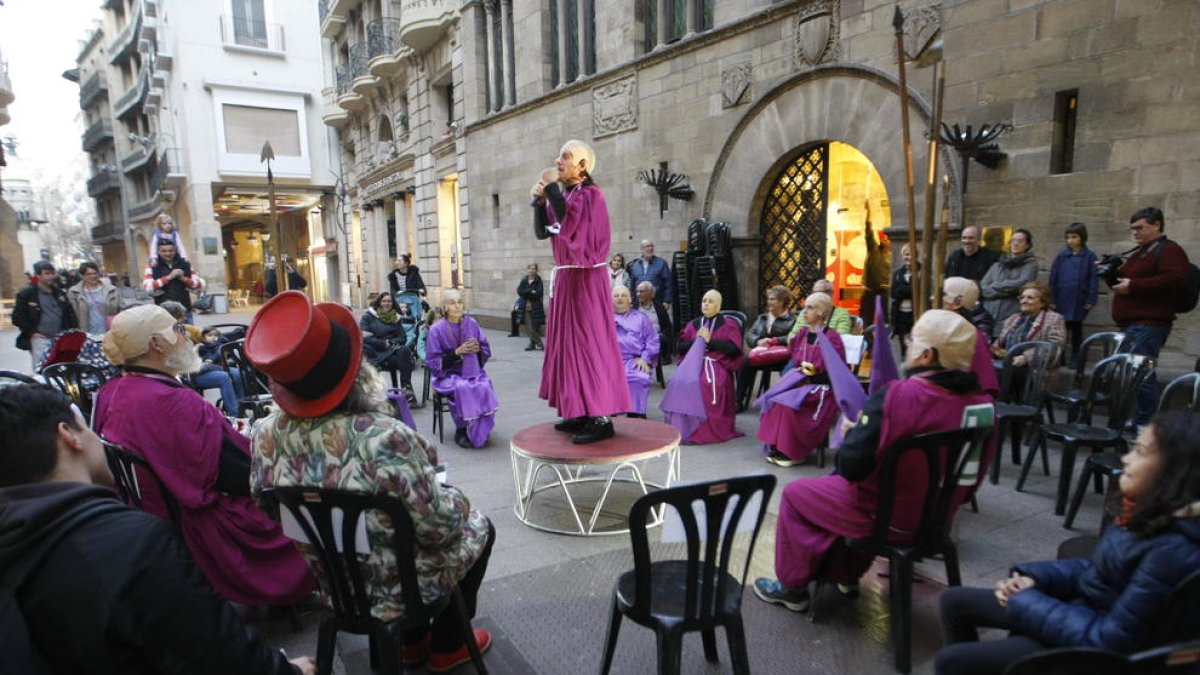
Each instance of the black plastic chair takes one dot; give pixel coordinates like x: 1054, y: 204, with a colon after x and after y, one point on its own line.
x: 1181, y: 393
x: 698, y: 594
x: 440, y: 407
x: 1118, y: 377
x: 947, y: 456
x: 736, y: 315
x: 230, y: 331
x: 129, y: 470
x: 1072, y: 661
x: 256, y: 392
x: 1022, y: 392
x: 79, y: 381
x: 330, y: 522
x: 1107, y: 343
x: 10, y: 377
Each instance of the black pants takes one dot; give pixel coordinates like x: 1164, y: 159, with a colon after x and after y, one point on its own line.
x: 447, y: 634
x: 964, y: 610
x: 397, y: 360
x: 1075, y: 337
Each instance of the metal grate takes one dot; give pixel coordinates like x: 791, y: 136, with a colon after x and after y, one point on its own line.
x: 792, y: 253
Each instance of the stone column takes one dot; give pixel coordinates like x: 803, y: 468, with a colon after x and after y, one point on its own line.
x: 494, y: 71
x: 506, y: 40
x: 664, y: 26
x: 693, y: 16
x: 562, y: 42
x: 586, y: 37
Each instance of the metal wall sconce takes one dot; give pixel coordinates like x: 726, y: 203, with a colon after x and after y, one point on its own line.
x: 666, y: 184
x: 977, y: 145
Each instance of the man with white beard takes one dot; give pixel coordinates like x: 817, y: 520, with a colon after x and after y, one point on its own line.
x: 200, y: 457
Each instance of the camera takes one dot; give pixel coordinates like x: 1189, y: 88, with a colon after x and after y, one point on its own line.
x: 1109, y: 263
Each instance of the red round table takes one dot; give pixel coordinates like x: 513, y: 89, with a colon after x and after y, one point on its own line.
x: 540, y: 448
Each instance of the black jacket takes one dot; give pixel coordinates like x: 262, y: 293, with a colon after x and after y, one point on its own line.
x: 666, y: 332
x: 175, y: 289
x: 107, y: 589
x: 779, y: 329
x: 531, y: 292
x: 27, y: 313
x: 380, y: 335
x: 412, y: 281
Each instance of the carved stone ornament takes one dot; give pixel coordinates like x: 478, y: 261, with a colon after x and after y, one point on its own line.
x: 921, y: 26
x: 615, y: 107
x: 817, y: 33
x: 735, y: 84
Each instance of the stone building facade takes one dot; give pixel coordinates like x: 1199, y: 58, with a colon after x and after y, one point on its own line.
x: 785, y: 118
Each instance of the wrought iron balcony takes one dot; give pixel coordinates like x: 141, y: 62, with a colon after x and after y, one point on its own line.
x: 342, y: 79
x: 90, y: 90
x: 242, y: 32
x: 384, y: 46
x: 106, y: 232
x: 97, y: 132
x: 423, y: 22
x: 359, y: 56
x: 103, y: 183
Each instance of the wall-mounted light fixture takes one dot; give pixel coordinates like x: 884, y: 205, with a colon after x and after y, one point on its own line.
x: 977, y: 145
x: 666, y: 184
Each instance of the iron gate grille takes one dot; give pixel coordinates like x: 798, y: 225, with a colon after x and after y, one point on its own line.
x: 792, y: 253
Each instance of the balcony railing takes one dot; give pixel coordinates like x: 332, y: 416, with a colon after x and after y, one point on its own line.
x: 90, y: 90
x: 125, y: 43
x: 135, y: 95
x: 423, y: 22
x: 106, y: 232
x: 243, y: 32
x: 97, y: 132
x: 383, y: 37
x: 145, y: 210
x: 342, y: 79
x: 359, y: 56
x: 168, y: 173
x: 136, y: 158
x: 103, y: 182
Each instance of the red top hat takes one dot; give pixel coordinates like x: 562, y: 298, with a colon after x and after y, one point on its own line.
x: 310, y: 352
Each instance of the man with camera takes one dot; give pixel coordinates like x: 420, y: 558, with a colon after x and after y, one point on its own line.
x: 1146, y: 282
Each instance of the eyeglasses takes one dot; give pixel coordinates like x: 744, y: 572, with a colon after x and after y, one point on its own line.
x: 180, y: 328
x: 1031, y: 298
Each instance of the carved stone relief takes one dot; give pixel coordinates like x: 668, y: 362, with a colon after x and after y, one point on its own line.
x: 615, y: 107
x: 921, y: 26
x: 735, y: 84
x: 817, y: 33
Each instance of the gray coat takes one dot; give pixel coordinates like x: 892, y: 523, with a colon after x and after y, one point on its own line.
x: 1002, y: 284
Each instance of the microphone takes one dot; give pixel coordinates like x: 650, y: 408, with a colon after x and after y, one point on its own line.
x: 548, y: 176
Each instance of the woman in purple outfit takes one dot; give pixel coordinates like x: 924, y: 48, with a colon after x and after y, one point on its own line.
x: 639, y: 344
x: 455, y: 353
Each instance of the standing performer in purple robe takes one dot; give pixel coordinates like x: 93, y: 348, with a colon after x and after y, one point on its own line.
x: 455, y: 352
x: 582, y: 376
x: 938, y: 394
x: 722, y: 358
x: 638, y: 340
x: 799, y: 410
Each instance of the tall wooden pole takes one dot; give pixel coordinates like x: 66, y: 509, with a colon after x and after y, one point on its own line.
x: 281, y: 277
x: 917, y: 290
x: 943, y: 236
x: 933, y: 270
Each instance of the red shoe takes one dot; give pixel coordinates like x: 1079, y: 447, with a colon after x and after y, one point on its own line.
x: 441, y: 662
x: 415, y: 655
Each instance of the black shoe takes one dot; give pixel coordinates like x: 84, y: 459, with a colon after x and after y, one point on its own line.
x: 514, y: 335
x: 460, y: 437
x: 530, y: 348
x: 571, y: 425
x: 597, y: 429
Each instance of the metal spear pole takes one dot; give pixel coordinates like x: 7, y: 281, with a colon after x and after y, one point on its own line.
x: 934, y: 268
x: 918, y: 292
x: 281, y: 277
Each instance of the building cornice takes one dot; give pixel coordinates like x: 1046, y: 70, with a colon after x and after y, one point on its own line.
x: 260, y: 87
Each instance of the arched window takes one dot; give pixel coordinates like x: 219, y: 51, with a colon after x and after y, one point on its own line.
x: 385, y: 129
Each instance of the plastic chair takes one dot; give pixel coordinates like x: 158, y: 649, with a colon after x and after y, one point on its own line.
x: 256, y: 393
x: 736, y: 315
x: 79, y: 381
x: 1119, y: 377
x: 1181, y: 393
x: 11, y: 377
x: 332, y: 523
x: 439, y: 423
x: 947, y: 457
x: 698, y: 594
x: 1107, y: 343
x: 1022, y: 392
x: 126, y: 467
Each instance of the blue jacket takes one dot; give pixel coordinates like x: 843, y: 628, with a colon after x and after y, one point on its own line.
x: 658, y: 272
x: 1075, y: 282
x: 1112, y: 600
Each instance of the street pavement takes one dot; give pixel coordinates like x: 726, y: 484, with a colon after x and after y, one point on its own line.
x: 546, y: 596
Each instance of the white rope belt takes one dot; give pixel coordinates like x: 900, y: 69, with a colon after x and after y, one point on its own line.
x: 710, y: 374
x: 579, y: 267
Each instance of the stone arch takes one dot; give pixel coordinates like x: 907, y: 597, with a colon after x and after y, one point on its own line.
x: 853, y: 104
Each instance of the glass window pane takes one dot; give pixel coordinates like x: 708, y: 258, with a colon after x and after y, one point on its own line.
x: 247, y: 127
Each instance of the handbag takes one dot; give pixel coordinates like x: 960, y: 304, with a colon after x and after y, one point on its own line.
x: 771, y: 355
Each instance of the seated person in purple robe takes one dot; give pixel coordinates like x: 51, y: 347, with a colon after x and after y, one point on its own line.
x: 798, y: 412
x: 203, y: 462
x: 722, y: 358
x: 455, y: 352
x: 815, y: 513
x: 639, y: 345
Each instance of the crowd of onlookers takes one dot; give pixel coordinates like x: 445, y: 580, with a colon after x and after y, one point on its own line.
x: 151, y: 592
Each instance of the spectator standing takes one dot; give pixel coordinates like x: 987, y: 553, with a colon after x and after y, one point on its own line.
x: 170, y: 277
x: 654, y: 269
x: 1145, y: 292
x: 617, y: 275
x: 971, y: 260
x: 877, y: 272
x: 902, y: 299
x: 1075, y: 282
x: 1003, y: 282
x: 530, y: 292
x: 41, y: 311
x: 81, y: 565
x: 296, y: 282
x: 94, y: 299
x: 406, y: 278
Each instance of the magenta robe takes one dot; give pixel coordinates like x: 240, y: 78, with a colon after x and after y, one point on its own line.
x: 466, y: 387
x: 242, y: 552
x: 582, y: 375
x: 716, y: 382
x: 814, y: 513
x: 797, y: 416
x: 637, y: 338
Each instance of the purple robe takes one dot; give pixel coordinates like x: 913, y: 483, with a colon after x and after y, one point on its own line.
x: 815, y: 513
x: 796, y: 415
x: 582, y: 374
x: 242, y: 552
x: 637, y: 338
x: 716, y: 382
x: 465, y: 386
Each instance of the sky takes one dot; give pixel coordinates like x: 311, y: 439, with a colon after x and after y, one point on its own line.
x: 40, y: 39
